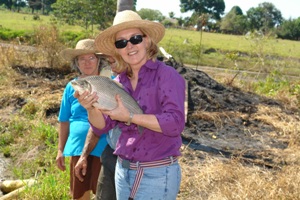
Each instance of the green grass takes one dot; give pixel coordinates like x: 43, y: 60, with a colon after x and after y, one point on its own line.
x: 25, y: 22
x: 265, y: 54
x: 232, y: 42
x: 233, y: 52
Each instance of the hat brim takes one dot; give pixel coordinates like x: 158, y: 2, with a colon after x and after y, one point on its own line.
x: 70, y: 54
x: 105, y: 41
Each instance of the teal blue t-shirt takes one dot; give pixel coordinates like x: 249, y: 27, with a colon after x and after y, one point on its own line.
x: 71, y: 111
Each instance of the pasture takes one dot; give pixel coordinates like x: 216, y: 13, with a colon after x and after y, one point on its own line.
x: 255, y: 53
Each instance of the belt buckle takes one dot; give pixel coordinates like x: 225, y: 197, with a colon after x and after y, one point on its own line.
x: 126, y: 164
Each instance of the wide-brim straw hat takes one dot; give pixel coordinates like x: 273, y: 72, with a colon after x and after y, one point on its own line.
x: 105, y: 41
x: 85, y: 46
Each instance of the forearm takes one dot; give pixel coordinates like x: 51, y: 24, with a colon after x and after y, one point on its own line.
x: 147, y: 121
x: 64, y: 128
x: 90, y: 143
x: 96, y: 118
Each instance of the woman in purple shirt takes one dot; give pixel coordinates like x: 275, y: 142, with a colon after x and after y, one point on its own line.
x: 147, y: 166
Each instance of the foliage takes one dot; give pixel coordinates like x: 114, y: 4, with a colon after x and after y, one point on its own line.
x: 85, y: 13
x: 48, y: 38
x: 43, y: 5
x: 273, y: 83
x: 70, y: 38
x: 289, y: 29
x: 265, y: 17
x: 151, y: 15
x: 13, y: 5
x: 234, y: 22
x: 8, y: 34
x: 125, y: 5
x: 215, y: 8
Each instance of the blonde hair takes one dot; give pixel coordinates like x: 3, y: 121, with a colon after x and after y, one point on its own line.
x: 152, y: 51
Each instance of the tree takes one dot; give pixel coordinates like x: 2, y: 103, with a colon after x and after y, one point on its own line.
x: 11, y: 4
x: 290, y: 29
x: 34, y: 5
x: 172, y: 15
x: 85, y: 13
x: 234, y: 22
x: 265, y: 17
x: 124, y: 5
x: 213, y: 7
x: 151, y: 15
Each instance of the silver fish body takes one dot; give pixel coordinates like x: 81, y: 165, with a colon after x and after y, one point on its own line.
x: 106, y: 90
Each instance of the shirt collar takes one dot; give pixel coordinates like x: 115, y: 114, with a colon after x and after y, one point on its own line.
x: 149, y: 64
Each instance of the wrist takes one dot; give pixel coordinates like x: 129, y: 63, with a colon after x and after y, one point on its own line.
x: 129, y: 119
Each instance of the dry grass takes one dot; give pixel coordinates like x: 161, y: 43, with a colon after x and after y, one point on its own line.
x: 214, y: 178
x: 210, y: 177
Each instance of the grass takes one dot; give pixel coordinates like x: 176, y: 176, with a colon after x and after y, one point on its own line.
x: 26, y: 22
x: 252, y: 53
x: 233, y: 52
x: 29, y: 137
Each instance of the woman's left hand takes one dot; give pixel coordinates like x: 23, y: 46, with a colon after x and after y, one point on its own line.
x: 120, y: 113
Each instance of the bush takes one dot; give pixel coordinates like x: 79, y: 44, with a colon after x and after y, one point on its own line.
x: 7, y: 34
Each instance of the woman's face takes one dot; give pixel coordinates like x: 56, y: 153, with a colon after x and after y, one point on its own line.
x: 134, y: 52
x: 88, y: 64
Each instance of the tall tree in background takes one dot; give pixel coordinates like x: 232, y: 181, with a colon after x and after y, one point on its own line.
x: 34, y: 5
x: 264, y: 17
x: 85, y: 13
x: 289, y: 29
x: 234, y: 22
x: 213, y: 7
x: 150, y: 14
x: 13, y: 4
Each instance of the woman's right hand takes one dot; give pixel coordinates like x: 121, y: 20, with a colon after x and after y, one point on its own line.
x: 86, y: 99
x: 80, y: 168
x: 60, y: 161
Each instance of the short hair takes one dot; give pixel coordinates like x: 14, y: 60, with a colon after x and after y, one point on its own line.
x: 75, y: 66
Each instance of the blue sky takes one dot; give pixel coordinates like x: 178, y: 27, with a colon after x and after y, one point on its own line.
x: 288, y: 8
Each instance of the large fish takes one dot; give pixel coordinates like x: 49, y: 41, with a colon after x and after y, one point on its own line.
x: 106, y: 90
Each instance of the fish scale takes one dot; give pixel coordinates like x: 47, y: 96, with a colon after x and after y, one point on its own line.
x: 106, y: 90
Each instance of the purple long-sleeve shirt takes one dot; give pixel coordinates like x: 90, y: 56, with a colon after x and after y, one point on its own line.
x: 160, y: 91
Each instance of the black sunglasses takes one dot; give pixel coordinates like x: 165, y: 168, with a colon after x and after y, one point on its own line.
x: 137, y: 39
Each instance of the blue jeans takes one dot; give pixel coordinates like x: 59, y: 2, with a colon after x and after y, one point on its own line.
x: 160, y: 183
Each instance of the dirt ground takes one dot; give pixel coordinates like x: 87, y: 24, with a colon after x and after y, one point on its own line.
x: 222, y: 121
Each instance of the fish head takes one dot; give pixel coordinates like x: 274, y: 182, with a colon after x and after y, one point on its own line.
x: 81, y: 86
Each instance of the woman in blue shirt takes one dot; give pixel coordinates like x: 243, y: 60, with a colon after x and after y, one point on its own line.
x: 74, y: 125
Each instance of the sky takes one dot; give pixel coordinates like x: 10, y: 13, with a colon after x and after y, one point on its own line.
x: 288, y: 8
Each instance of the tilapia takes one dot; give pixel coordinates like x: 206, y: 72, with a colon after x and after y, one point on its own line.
x: 106, y: 90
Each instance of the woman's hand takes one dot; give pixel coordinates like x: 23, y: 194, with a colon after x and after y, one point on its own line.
x: 60, y: 161
x: 80, y: 168
x: 86, y: 99
x: 120, y: 113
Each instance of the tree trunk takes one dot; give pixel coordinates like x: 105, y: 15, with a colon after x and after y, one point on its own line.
x: 124, y: 5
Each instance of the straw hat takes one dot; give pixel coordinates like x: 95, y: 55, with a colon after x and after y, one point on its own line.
x: 85, y: 46
x: 105, y: 41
